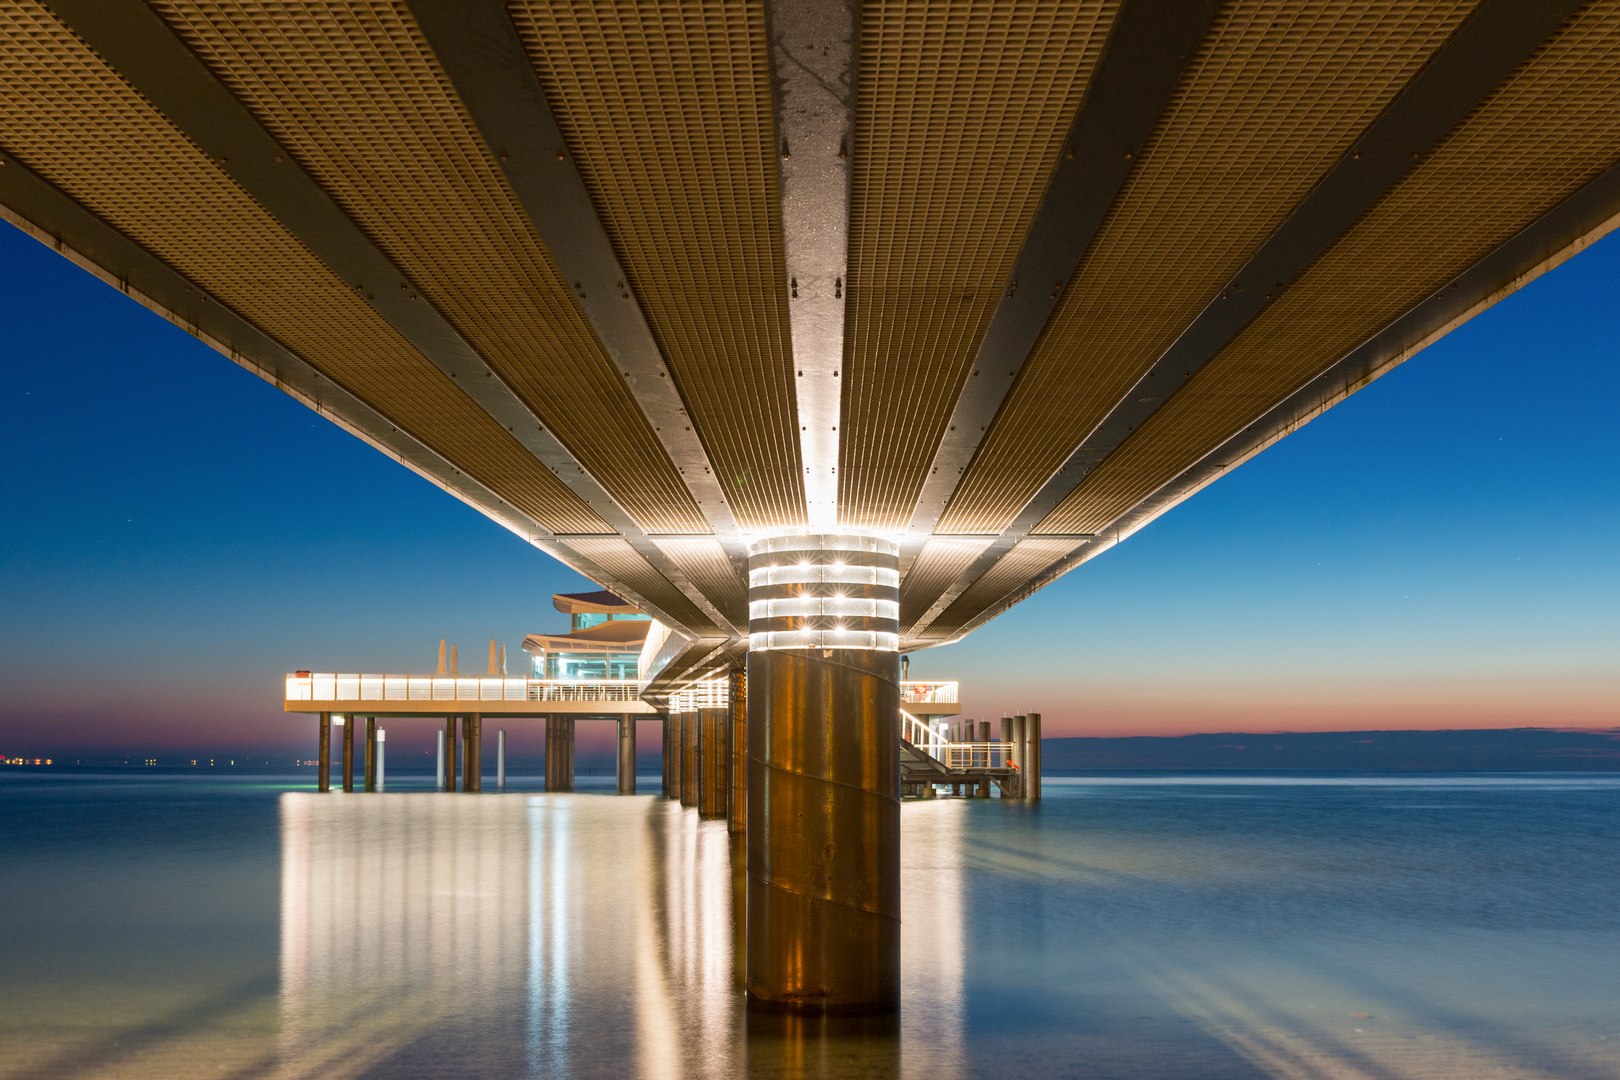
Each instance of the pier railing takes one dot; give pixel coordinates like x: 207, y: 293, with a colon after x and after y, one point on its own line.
x: 360, y: 687
x: 954, y: 755
x: 928, y: 693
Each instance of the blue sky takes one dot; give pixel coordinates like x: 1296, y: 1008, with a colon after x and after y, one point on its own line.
x: 1440, y: 550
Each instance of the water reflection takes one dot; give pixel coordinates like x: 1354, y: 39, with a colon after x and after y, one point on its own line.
x: 567, y: 935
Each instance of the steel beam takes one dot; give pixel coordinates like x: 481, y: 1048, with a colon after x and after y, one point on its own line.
x: 1148, y: 48
x: 813, y: 45
x: 1564, y: 231
x: 1494, y: 40
x: 481, y: 52
x: 55, y: 219
x: 143, y: 49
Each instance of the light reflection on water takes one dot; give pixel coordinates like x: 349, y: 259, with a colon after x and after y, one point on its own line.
x: 1331, y: 928
x: 419, y: 933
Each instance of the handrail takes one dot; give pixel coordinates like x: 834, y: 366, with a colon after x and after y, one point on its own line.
x: 922, y: 736
x: 320, y: 686
x: 979, y: 755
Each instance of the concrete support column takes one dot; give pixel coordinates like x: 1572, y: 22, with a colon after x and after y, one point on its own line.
x: 382, y: 758
x: 1035, y: 754
x: 627, y: 754
x: 500, y: 760
x: 348, y: 753
x: 691, y: 758
x: 323, y: 751
x: 449, y: 753
x: 823, y: 832
x: 371, y: 753
x: 737, y: 789
x: 438, y: 765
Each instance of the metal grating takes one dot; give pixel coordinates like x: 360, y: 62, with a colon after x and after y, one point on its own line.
x: 961, y: 108
x: 1015, y: 568
x: 705, y: 565
x: 667, y: 109
x: 1274, y: 97
x: 941, y: 561
x: 66, y: 115
x: 626, y: 564
x: 353, y: 91
x: 1552, y: 127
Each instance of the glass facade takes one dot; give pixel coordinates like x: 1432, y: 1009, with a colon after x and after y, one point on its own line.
x: 585, y: 665
x: 584, y: 620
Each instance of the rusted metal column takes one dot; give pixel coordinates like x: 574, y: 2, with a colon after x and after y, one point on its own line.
x: 691, y: 758
x: 371, y: 753
x: 473, y: 753
x: 823, y: 835
x: 348, y: 753
x: 323, y: 750
x: 1021, y: 753
x: 449, y: 753
x: 737, y: 789
x: 568, y: 753
x: 627, y: 754
x: 1035, y: 753
x: 709, y: 754
x: 663, y: 734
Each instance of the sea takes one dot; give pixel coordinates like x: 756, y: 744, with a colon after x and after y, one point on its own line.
x: 1191, y: 925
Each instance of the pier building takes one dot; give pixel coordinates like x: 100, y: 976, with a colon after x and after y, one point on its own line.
x: 819, y: 332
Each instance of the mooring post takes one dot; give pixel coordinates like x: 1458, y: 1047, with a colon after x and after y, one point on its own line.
x: 1021, y: 753
x: 323, y: 781
x: 1035, y: 752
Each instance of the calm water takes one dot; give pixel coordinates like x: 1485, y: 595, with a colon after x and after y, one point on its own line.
x: 1127, y: 927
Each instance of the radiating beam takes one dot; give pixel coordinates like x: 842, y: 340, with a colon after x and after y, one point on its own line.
x: 813, y: 65
x: 143, y: 49
x: 1494, y: 40
x: 50, y: 216
x: 1149, y: 45
x: 479, y: 48
x: 1564, y: 231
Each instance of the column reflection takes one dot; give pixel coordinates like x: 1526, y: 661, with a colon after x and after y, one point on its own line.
x: 568, y: 935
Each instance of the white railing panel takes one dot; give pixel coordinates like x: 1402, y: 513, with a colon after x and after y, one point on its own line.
x: 979, y: 755
x: 928, y: 693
